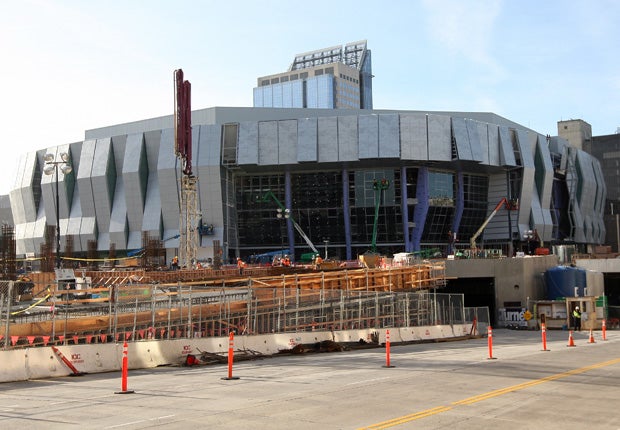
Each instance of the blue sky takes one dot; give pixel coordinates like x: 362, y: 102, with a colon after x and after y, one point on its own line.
x: 69, y: 66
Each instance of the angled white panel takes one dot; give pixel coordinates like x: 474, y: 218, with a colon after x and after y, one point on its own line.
x: 84, y: 173
x: 248, y: 143
x: 287, y: 142
x: 475, y: 142
x: 482, y: 130
x: 73, y: 229
x: 493, y: 140
x: 347, y: 138
x: 103, y: 178
x: 307, y: 139
x: 389, y: 136
x: 368, y: 136
x: 211, y: 199
x: 268, y: 143
x: 413, y: 137
x: 168, y: 179
x: 439, y: 138
x: 506, y: 152
x: 328, y: 139
x: 135, y: 175
x: 88, y: 231
x: 461, y: 139
x: 118, y: 222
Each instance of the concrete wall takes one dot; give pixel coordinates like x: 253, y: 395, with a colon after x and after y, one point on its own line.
x: 42, y: 362
x: 515, y: 279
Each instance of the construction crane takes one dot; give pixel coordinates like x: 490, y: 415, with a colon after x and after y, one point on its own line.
x: 510, y: 205
x: 189, y: 216
x: 286, y: 213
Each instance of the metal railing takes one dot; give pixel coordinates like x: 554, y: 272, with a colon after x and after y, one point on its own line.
x: 147, y: 311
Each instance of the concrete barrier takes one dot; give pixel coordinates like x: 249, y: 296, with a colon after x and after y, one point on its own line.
x: 42, y: 362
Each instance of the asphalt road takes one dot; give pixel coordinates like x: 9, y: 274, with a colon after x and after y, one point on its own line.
x: 449, y: 385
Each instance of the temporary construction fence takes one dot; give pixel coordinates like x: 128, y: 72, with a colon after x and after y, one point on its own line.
x: 148, y: 311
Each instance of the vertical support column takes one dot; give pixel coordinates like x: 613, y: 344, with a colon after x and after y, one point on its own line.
x: 405, y: 209
x: 346, y: 212
x: 421, y: 208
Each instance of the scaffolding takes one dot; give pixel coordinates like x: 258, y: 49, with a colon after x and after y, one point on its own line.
x: 188, y: 224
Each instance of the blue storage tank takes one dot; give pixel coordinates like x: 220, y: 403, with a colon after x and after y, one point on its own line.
x: 562, y: 280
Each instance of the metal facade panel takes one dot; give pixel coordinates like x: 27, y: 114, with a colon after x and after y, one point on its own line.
x: 268, y: 143
x: 475, y: 141
x: 28, y: 207
x: 525, y: 148
x: 39, y: 234
x: 413, y: 137
x: 151, y: 221
x: 599, y: 235
x: 389, y: 136
x: 152, y: 142
x: 88, y: 231
x: 497, y: 229
x: 73, y: 229
x: 211, y: 197
x: 247, y: 152
x: 209, y: 145
x: 20, y: 239
x: 210, y: 201
x: 482, y: 129
x: 134, y: 240
x: 493, y: 137
x: 368, y: 136
x: 587, y: 196
x: 287, y: 142
x: 29, y: 236
x: 347, y: 138
x: 103, y: 178
x: 135, y: 178
x: 104, y: 241
x: 328, y: 139
x: 15, y: 195
x: 87, y: 199
x: 439, y: 138
x: 506, y: 153
x: 307, y: 139
x: 544, y: 171
x: 17, y: 206
x: 461, y: 138
x: 117, y: 231
x: 168, y: 181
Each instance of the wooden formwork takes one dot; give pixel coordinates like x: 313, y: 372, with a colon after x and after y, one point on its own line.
x: 266, y: 295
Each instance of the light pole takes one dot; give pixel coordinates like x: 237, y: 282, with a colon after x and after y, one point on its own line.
x: 52, y: 167
x: 282, y: 214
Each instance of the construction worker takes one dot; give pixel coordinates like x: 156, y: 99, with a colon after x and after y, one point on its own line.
x: 175, y: 263
x: 317, y: 262
x: 286, y: 261
x: 577, y: 318
x: 240, y: 265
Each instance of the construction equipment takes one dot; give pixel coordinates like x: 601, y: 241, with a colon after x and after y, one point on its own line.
x: 189, y: 216
x: 511, y: 205
x: 379, y: 187
x: 286, y: 213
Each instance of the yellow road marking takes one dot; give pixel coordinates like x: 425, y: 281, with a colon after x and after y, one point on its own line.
x: 485, y: 396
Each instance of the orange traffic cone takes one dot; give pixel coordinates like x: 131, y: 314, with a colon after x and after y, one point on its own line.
x: 571, y: 342
x: 591, y: 340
